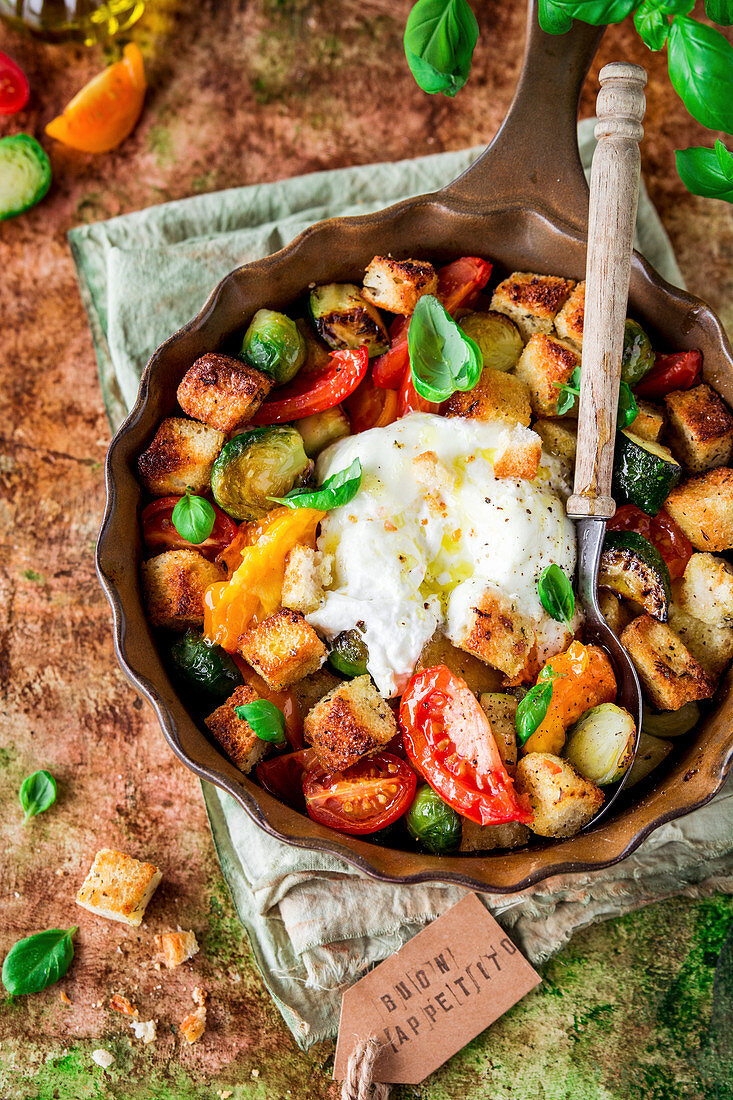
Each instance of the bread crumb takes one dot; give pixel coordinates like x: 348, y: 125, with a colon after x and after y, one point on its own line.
x: 144, y: 1029
x: 255, y: 1073
x: 121, y: 1004
x: 64, y: 997
x: 176, y: 947
x: 199, y: 995
x: 192, y: 1026
x: 225, y: 1093
x: 103, y: 1058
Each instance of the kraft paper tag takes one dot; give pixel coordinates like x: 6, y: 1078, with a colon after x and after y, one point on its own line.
x: 435, y: 994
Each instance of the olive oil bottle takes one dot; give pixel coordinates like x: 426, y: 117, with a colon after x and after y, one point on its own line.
x: 86, y: 21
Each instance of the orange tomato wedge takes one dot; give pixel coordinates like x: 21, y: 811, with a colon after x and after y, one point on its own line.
x: 105, y: 111
x: 584, y: 679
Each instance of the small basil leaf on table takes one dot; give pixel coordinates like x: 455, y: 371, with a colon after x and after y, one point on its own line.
x: 532, y: 709
x: 720, y: 11
x: 265, y: 719
x: 440, y: 37
x: 40, y: 960
x: 700, y: 64
x: 556, y: 594
x: 37, y: 793
x: 193, y: 518
x: 340, y: 488
x: 707, y: 172
x: 443, y: 358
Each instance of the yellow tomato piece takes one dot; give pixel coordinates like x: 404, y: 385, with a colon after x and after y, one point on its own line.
x: 585, y: 679
x: 106, y: 109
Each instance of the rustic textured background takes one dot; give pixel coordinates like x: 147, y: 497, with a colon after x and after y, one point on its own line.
x: 240, y: 93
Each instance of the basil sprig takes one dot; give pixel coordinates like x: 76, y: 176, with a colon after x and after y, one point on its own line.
x: 37, y: 961
x: 338, y: 489
x: 440, y: 37
x: 37, y: 793
x: 443, y: 358
x: 707, y: 172
x: 627, y: 410
x: 532, y: 709
x: 194, y: 518
x: 556, y: 594
x: 265, y: 720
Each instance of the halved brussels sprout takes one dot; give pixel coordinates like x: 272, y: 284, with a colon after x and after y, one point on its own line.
x: 601, y: 744
x: 650, y: 754
x: 257, y: 465
x: 321, y: 429
x: 206, y: 667
x: 273, y: 345
x: 497, y: 337
x: 671, y: 723
x: 349, y: 654
x: 432, y: 822
x: 638, y: 356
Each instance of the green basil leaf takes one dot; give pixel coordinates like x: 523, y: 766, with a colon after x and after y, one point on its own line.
x: 627, y: 410
x: 40, y: 960
x: 725, y: 160
x: 720, y: 11
x: 440, y: 37
x: 552, y: 19
x: 533, y: 708
x: 569, y: 391
x: 652, y: 24
x: 37, y: 793
x: 596, y: 12
x: 443, y: 358
x: 700, y: 171
x: 556, y: 594
x: 700, y: 63
x: 338, y: 489
x: 265, y: 719
x: 194, y: 518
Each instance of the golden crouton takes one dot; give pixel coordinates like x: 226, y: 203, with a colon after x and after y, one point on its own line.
x: 562, y: 800
x: 518, y: 453
x: 613, y: 610
x: 703, y: 508
x: 307, y: 572
x: 667, y: 669
x: 194, y: 1025
x: 118, y: 887
x: 700, y: 428
x: 311, y: 689
x: 569, y: 321
x: 648, y: 423
x: 497, y: 396
x: 439, y: 650
x: 283, y: 648
x: 176, y: 947
x: 235, y: 735
x: 544, y: 365
x: 180, y: 457
x: 222, y: 392
x: 396, y: 285
x: 532, y: 301
x: 350, y: 722
x: 711, y: 644
x: 174, y: 584
x: 500, y: 709
x: 502, y: 636
x: 483, y: 838
x: 559, y: 437
x: 706, y: 589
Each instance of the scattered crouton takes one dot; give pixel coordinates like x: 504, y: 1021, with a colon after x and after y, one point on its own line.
x: 350, y: 722
x: 711, y: 644
x: 559, y: 437
x: 222, y: 392
x: 706, y: 589
x: 569, y: 321
x: 283, y: 648
x: 396, y: 285
x: 667, y: 669
x: 176, y: 947
x: 180, y: 457
x: 235, y: 735
x: 544, y: 365
x: 483, y: 838
x: 174, y: 584
x: 194, y: 1025
x: 649, y: 422
x: 703, y: 508
x: 532, y: 301
x: 518, y: 453
x: 700, y: 428
x: 118, y: 887
x: 562, y: 800
x: 497, y: 396
x: 500, y: 709
x: 307, y: 572
x: 499, y: 634
x: 119, y: 1003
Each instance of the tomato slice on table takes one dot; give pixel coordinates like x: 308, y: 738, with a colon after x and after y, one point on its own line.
x: 364, y: 798
x: 680, y: 371
x: 311, y: 393
x: 159, y: 533
x: 106, y: 109
x: 283, y: 776
x: 448, y: 738
x: 14, y: 90
x: 661, y: 530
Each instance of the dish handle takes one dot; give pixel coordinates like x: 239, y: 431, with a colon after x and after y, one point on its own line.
x: 533, y: 161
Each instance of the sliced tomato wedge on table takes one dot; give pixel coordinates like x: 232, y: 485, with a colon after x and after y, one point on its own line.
x: 160, y: 534
x: 14, y: 90
x: 283, y: 776
x: 313, y: 393
x: 679, y: 371
x: 661, y: 531
x: 448, y: 738
x: 361, y: 799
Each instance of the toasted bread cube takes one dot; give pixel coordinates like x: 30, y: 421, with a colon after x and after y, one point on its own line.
x: 484, y: 838
x: 311, y: 689
x: 501, y: 709
x: 350, y: 722
x: 235, y: 735
x: 703, y: 508
x: 544, y: 365
x: 180, y: 457
x: 559, y: 437
x: 222, y: 392
x: 706, y: 589
x: 518, y: 453
x: 396, y: 285
x: 283, y: 648
x: 176, y: 947
x: 711, y: 644
x: 668, y: 671
x: 194, y: 1025
x: 562, y: 800
x: 532, y: 301
x: 569, y: 321
x: 700, y: 428
x: 500, y: 635
x: 497, y: 396
x: 307, y: 572
x: 118, y: 887
x: 649, y: 422
x: 174, y: 584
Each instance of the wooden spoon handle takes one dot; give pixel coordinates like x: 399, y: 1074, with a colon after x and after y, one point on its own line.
x: 614, y: 192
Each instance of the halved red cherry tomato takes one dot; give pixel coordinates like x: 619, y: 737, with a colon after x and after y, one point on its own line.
x: 388, y: 370
x: 680, y: 371
x: 364, y: 798
x: 283, y: 776
x: 661, y: 530
x: 14, y: 90
x: 313, y: 393
x: 410, y: 400
x: 159, y: 534
x: 448, y: 738
x: 371, y: 407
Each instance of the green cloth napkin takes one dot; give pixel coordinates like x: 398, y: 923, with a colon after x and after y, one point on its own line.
x: 315, y: 923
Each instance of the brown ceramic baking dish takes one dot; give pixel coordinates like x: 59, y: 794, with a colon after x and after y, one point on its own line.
x: 524, y: 206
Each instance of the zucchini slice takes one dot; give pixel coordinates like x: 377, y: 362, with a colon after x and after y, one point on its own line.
x: 25, y: 174
x: 345, y: 320
x: 634, y: 569
x: 644, y: 473
x: 670, y: 723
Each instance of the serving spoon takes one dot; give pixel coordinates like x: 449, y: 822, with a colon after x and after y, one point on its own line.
x: 614, y: 193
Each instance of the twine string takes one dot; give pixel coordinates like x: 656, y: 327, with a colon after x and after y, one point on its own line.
x: 358, y: 1084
